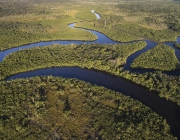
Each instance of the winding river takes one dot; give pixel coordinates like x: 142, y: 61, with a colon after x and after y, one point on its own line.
x: 167, y: 109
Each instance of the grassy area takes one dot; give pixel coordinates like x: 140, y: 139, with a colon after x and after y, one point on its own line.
x: 48, y: 28
x: 57, y: 108
x: 160, y: 57
x: 109, y: 26
x: 46, y: 21
x: 158, y: 21
x: 124, y: 21
x: 117, y: 29
x: 85, y: 15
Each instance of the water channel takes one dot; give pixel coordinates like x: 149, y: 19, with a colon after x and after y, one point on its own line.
x: 167, y: 109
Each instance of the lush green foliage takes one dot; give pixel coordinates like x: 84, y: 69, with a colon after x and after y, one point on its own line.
x: 127, y: 21
x: 105, y: 57
x: 154, y: 14
x: 56, y: 108
x: 40, y: 22
x: 35, y: 31
x: 177, y: 46
x: 156, y: 35
x: 167, y: 86
x: 160, y: 57
x: 151, y: 8
x: 121, y: 24
x: 111, y: 29
x: 109, y: 58
x: 129, y: 31
x: 15, y: 8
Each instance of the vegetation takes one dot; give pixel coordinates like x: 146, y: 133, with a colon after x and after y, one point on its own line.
x: 166, y: 86
x: 44, y: 22
x: 85, y: 14
x: 152, y: 14
x: 177, y: 45
x: 126, y: 32
x: 111, y: 29
x: 109, y: 58
x: 15, y: 8
x: 43, y: 30
x: 57, y: 108
x: 104, y: 57
x: 127, y: 21
x: 160, y: 57
x: 156, y: 35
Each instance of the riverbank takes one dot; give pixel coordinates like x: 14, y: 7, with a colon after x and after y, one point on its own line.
x: 97, y: 108
x: 110, y: 58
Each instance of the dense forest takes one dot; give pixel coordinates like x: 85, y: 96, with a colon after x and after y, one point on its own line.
x: 15, y: 8
x: 160, y: 57
x: 109, y: 58
x: 166, y: 86
x: 177, y: 45
x: 56, y: 108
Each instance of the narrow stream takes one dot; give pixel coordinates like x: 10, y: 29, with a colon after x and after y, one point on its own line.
x: 167, y: 109
x: 102, y: 39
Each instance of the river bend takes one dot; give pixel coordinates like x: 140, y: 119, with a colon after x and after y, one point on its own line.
x: 167, y: 109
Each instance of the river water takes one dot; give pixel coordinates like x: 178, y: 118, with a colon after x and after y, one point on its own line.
x: 167, y: 109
